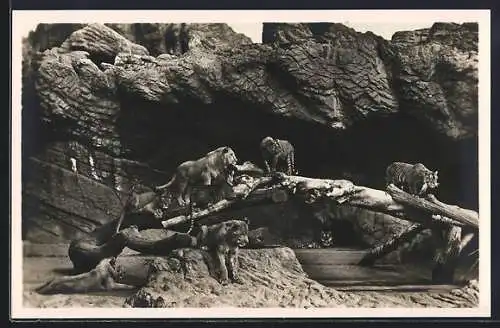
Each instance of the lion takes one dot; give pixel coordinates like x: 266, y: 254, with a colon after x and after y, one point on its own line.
x: 204, y: 171
x: 223, y: 241
x: 222, y: 187
x: 101, y: 278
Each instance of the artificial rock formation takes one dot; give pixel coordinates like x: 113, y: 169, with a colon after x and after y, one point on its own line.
x: 128, y: 103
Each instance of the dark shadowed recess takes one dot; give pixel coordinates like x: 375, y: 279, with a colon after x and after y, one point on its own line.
x: 165, y: 136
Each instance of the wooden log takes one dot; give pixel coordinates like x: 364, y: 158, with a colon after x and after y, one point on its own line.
x: 466, y: 240
x: 413, y: 209
x: 380, y: 201
x: 312, y: 190
x: 280, y: 187
x: 432, y: 205
x: 250, y: 169
x: 391, y: 245
x: 164, y: 243
x: 314, y: 183
x: 446, y: 254
x: 309, y: 189
x: 466, y: 211
x: 85, y: 254
x: 435, y: 222
x: 376, y: 200
x: 219, y: 206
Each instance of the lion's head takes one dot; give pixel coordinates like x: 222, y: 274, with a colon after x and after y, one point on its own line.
x: 223, y: 157
x: 237, y: 233
x: 229, y: 157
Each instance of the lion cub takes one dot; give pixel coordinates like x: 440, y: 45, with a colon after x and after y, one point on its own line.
x: 223, y: 240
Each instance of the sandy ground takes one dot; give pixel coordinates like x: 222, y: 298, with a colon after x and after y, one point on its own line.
x: 289, y: 288
x: 37, y: 270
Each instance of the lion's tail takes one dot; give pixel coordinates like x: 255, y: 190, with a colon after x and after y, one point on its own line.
x: 165, y: 186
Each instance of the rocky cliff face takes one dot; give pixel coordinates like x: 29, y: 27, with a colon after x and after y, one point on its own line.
x: 128, y: 103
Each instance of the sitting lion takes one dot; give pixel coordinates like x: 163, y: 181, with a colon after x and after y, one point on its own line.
x: 204, y: 171
x: 223, y: 241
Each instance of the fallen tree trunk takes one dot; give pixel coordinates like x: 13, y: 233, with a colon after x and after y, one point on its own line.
x: 381, y: 201
x: 308, y: 189
x: 160, y: 242
x: 391, y: 245
x: 446, y: 254
x: 435, y: 222
x: 85, y: 254
x: 376, y: 200
x: 114, y: 272
x: 432, y: 205
x: 446, y: 231
x: 246, y: 190
x: 279, y: 188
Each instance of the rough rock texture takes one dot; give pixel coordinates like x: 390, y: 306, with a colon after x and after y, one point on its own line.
x: 433, y: 72
x: 130, y: 102
x: 347, y: 77
x: 437, y: 77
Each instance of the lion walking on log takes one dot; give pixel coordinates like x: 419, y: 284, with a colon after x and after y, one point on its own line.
x: 204, y: 171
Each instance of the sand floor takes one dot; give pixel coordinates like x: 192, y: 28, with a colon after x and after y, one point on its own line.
x: 37, y: 270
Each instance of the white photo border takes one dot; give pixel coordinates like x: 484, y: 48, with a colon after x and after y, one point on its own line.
x: 22, y: 18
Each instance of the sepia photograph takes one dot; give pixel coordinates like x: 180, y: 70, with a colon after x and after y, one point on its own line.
x: 301, y: 163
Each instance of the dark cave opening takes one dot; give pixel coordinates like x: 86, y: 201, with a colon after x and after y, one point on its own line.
x: 165, y: 136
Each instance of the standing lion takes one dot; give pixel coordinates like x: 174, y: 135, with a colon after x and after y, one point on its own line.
x: 215, y: 166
